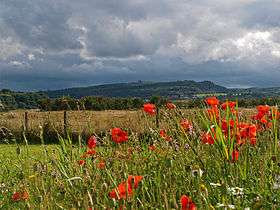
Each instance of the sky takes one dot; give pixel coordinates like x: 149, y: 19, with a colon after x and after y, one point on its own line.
x: 57, y: 44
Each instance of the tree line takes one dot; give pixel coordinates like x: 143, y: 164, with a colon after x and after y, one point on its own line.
x: 10, y: 100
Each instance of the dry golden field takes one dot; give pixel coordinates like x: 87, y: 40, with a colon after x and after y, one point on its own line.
x: 83, y: 121
x: 77, y: 121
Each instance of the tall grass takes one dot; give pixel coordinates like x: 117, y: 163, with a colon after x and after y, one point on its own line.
x: 171, y: 167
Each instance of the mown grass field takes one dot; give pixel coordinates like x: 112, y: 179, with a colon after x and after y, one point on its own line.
x: 166, y: 162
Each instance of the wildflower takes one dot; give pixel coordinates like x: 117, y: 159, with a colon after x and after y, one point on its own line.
x: 149, y: 108
x: 234, y: 155
x: 263, y: 108
x: 207, y: 138
x: 152, y: 147
x: 126, y: 188
x: 101, y: 164
x: 82, y: 162
x: 262, y: 111
x: 170, y: 106
x: 91, y: 143
x: 91, y: 152
x: 253, y: 141
x: 164, y: 135
x: 118, y: 135
x: 186, y: 125
x: 229, y: 104
x: 235, y: 191
x: 252, y: 134
x: 212, y: 101
x: 252, y: 131
x: 25, y: 195
x: 187, y: 203
x: 16, y: 196
x: 263, y: 120
x: 226, y: 125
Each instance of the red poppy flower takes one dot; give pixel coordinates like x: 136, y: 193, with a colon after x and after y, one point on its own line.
x: 164, y: 135
x: 149, y: 108
x: 263, y: 108
x: 234, y: 155
x: 212, y: 101
x: 121, y: 191
x: 170, y: 105
x: 263, y: 120
x: 82, y: 162
x: 243, y: 130
x: 16, y: 196
x: 207, y: 138
x: 187, y: 203
x: 269, y: 125
x: 226, y: 125
x: 91, y: 143
x: 126, y: 188
x: 253, y: 141
x: 101, y: 164
x: 186, y: 125
x: 229, y: 104
x: 152, y: 147
x: 258, y: 116
x: 239, y: 140
x: 134, y: 180
x: 118, y: 135
x: 252, y: 131
x: 25, y: 195
x: 91, y: 152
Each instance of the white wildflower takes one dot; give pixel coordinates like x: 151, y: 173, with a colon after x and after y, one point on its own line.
x: 235, y: 191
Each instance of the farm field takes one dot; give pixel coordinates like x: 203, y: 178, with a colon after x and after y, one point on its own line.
x: 217, y: 158
x: 87, y: 121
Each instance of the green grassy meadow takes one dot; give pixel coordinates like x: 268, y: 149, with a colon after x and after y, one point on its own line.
x: 176, y: 162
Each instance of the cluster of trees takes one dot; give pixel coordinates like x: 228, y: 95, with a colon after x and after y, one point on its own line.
x: 10, y: 100
x: 106, y: 103
x: 90, y: 103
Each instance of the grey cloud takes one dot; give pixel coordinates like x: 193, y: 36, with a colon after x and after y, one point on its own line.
x: 40, y: 24
x: 63, y: 43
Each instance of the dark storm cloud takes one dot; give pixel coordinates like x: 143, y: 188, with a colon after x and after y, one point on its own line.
x: 40, y: 23
x: 63, y: 43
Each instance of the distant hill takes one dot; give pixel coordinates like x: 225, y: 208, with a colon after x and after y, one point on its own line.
x: 177, y: 89
x: 133, y: 95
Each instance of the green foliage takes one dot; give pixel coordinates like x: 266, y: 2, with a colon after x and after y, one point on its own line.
x: 54, y: 179
x: 10, y: 100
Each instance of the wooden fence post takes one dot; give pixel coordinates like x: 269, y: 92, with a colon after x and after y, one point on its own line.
x: 65, y: 124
